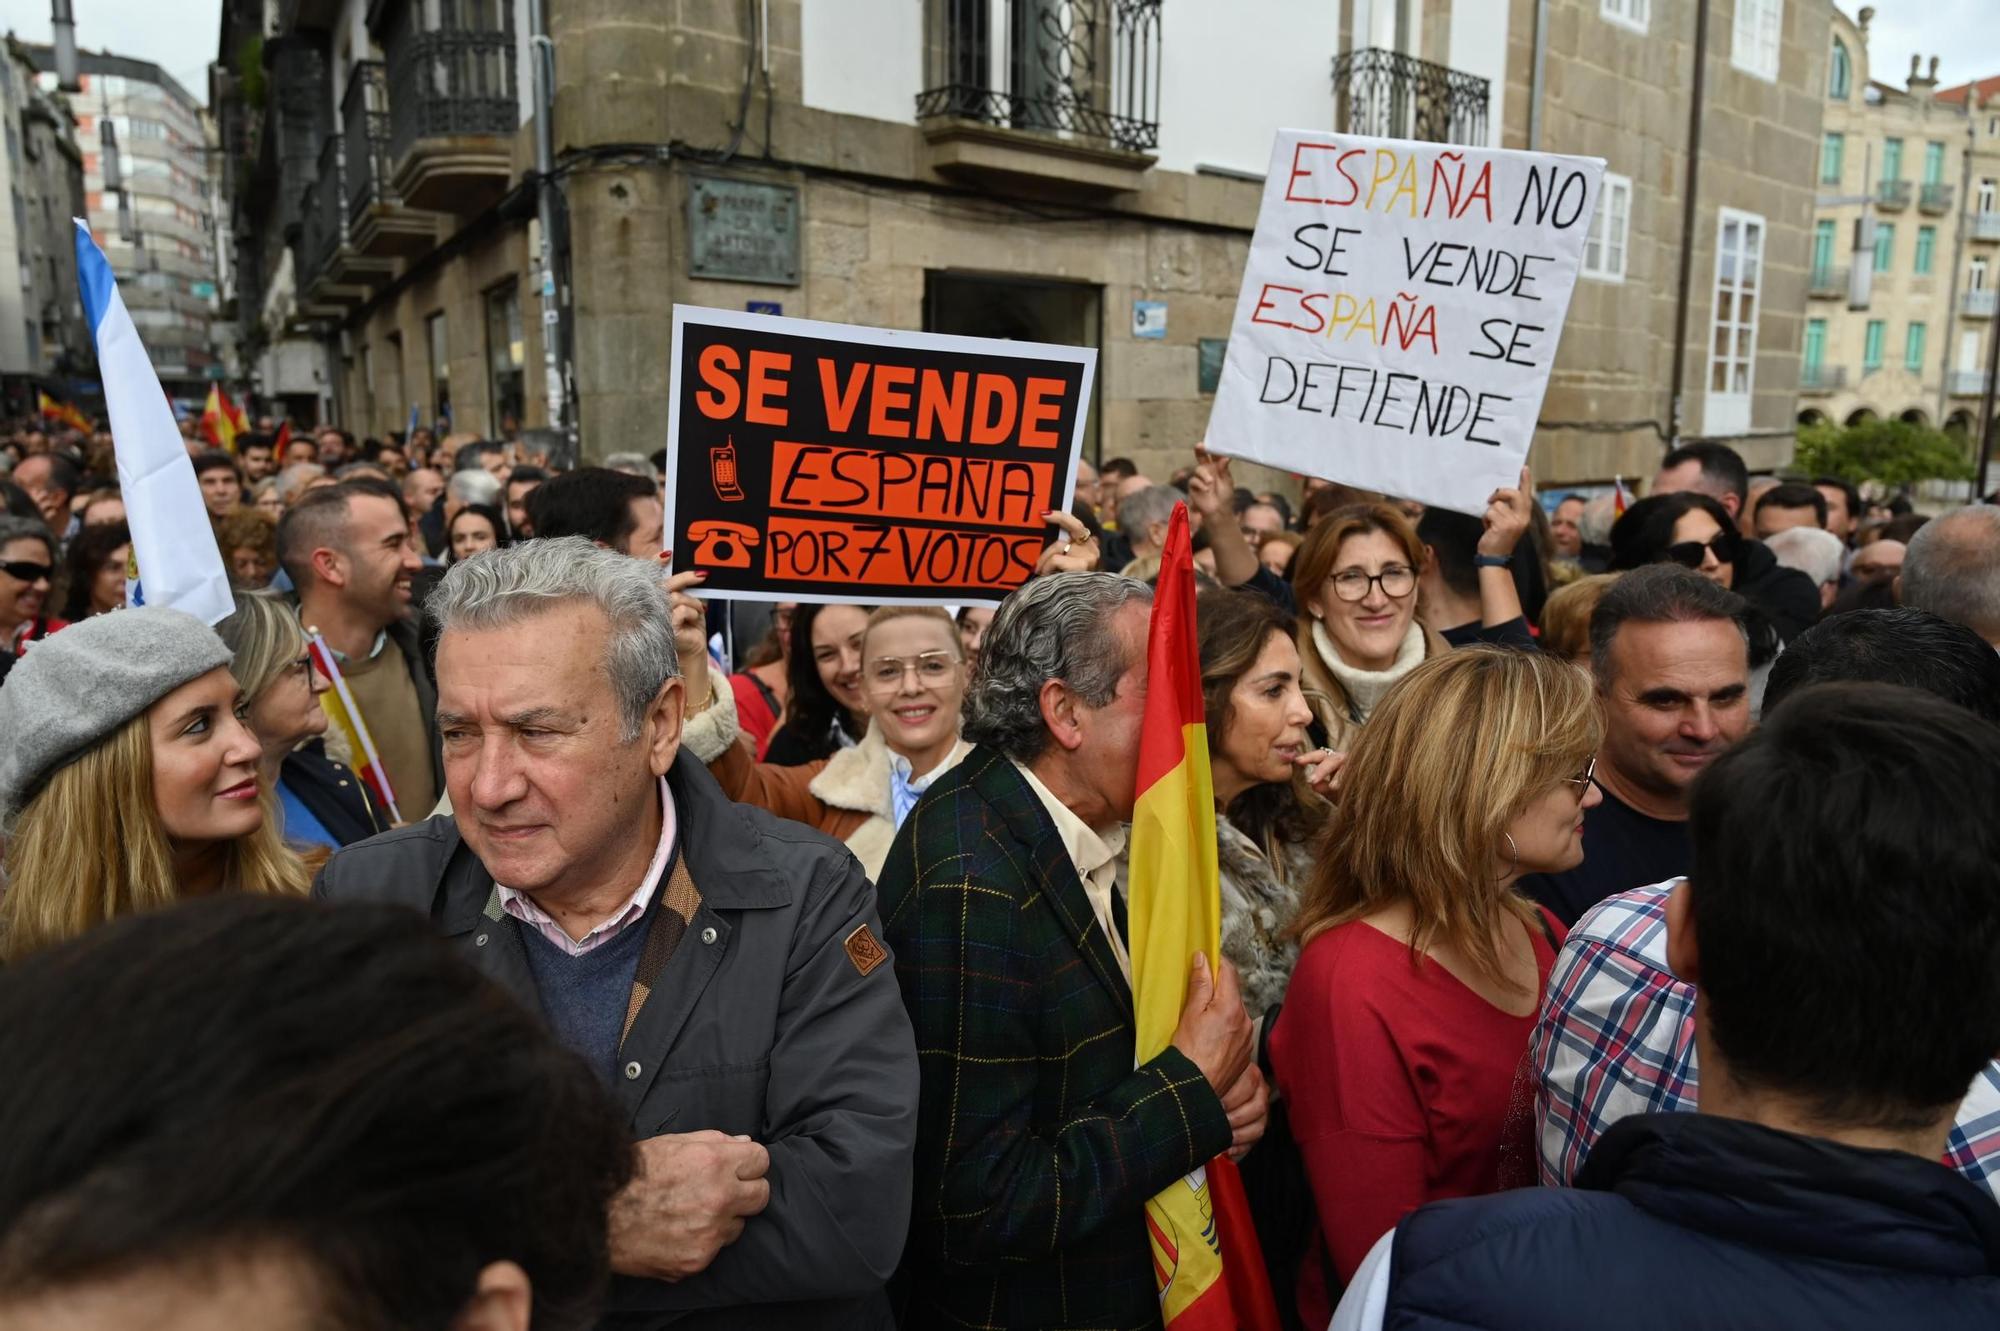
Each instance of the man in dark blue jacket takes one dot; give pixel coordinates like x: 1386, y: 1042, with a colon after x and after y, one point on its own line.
x: 1842, y: 933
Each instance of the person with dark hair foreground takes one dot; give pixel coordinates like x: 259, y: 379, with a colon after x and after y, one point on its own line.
x: 609, y: 508
x: 1849, y: 980
x: 1617, y: 1036
x: 324, y: 1119
x: 1696, y: 532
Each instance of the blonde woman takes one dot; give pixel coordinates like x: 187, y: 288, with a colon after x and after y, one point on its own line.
x: 1401, y: 1043
x: 129, y: 779
x: 319, y: 805
x: 912, y: 681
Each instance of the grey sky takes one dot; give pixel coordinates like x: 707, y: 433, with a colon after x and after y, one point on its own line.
x: 180, y: 34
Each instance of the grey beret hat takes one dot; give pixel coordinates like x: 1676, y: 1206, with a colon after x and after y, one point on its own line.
x: 76, y: 687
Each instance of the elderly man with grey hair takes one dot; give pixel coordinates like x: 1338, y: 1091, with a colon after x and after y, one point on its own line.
x: 1143, y: 516
x: 1038, y: 1141
x: 1952, y: 569
x: 1815, y: 552
x: 720, y: 968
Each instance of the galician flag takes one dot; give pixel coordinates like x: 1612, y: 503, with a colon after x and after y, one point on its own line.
x: 1206, y: 1258
x: 175, y: 562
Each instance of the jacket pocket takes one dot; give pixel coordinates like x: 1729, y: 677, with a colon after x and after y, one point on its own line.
x: 726, y: 1097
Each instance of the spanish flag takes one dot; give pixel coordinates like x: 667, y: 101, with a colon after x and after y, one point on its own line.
x: 340, y: 709
x: 1206, y: 1258
x: 62, y: 412
x: 221, y: 419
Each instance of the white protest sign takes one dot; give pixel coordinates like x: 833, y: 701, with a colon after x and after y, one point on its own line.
x: 1400, y: 311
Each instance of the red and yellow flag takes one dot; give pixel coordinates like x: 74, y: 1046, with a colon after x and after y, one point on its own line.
x: 1205, y: 1253
x: 221, y: 419
x: 283, y: 440
x: 62, y: 412
x: 341, y: 711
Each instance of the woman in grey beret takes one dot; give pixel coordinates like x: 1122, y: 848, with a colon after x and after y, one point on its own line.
x: 128, y: 779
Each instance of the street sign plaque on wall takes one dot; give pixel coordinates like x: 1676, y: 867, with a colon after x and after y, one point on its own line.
x: 743, y: 231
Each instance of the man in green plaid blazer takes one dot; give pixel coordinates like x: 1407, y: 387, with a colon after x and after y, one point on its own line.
x: 1038, y: 1142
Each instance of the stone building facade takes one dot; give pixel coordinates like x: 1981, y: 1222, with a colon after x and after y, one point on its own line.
x: 1906, y: 239
x: 1079, y: 171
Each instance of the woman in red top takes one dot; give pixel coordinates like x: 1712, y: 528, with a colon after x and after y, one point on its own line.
x: 1401, y: 1043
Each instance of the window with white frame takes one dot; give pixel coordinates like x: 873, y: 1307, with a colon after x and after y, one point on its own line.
x: 1634, y: 14
x: 1732, y: 335
x: 1604, y: 248
x: 1760, y: 31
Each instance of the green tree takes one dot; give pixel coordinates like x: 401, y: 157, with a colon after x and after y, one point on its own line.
x: 1892, y: 453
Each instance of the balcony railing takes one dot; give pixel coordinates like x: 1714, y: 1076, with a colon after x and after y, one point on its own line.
x: 1893, y: 195
x: 1935, y: 199
x: 448, y: 82
x: 1080, y: 69
x: 322, y: 215
x: 1392, y: 95
x: 1829, y: 283
x: 1986, y: 225
x: 1967, y: 383
x: 1822, y: 378
x: 1979, y: 304
x: 364, y: 128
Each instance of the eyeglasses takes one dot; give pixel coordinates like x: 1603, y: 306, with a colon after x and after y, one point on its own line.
x: 1396, y: 582
x: 303, y: 667
x: 1583, y: 781
x: 885, y: 674
x: 1688, y: 554
x: 27, y: 572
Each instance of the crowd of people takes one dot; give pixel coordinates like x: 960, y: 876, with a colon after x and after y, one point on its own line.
x: 1608, y: 924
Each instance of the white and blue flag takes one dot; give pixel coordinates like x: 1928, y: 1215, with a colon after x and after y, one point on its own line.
x: 175, y: 559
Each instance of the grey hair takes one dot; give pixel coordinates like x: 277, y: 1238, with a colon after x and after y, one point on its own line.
x: 474, y: 485
x: 1055, y: 627
x: 1952, y: 569
x: 1812, y: 551
x: 293, y: 480
x: 497, y: 588
x: 1659, y: 594
x: 26, y: 529
x: 632, y: 464
x: 1594, y: 524
x: 1153, y: 504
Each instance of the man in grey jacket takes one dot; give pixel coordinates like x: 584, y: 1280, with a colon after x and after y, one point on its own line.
x: 720, y: 968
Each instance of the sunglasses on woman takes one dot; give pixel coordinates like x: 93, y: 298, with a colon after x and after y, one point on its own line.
x: 27, y: 572
x: 1688, y: 554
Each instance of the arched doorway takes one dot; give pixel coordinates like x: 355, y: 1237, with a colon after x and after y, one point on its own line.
x: 1915, y: 416
x: 1860, y: 416
x: 1811, y: 417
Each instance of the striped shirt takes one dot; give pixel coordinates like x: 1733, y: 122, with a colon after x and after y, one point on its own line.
x: 1616, y: 1038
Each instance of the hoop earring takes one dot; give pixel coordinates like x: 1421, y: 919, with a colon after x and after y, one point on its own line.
x: 1513, y: 853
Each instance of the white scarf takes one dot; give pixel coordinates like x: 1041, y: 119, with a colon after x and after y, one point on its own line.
x: 1366, y: 687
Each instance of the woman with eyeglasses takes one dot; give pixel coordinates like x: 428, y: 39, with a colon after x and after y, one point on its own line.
x: 129, y: 779
x: 318, y: 804
x: 912, y: 678
x: 27, y: 571
x: 1696, y: 532
x: 1401, y: 1048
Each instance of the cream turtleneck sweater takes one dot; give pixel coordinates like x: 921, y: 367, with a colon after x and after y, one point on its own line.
x: 1366, y: 687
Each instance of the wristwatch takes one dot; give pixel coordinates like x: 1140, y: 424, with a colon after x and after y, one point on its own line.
x: 1492, y: 561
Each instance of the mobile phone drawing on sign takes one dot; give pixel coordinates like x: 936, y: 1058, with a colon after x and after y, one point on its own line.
x: 722, y: 472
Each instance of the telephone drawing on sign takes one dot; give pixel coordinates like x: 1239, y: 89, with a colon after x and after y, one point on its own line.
x: 723, y: 544
x: 722, y: 472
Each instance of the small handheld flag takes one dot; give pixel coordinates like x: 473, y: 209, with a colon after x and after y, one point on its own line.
x: 220, y: 420
x: 341, y: 710
x: 1206, y: 1259
x: 173, y: 545
x: 283, y: 440
x: 1618, y: 497
x: 62, y: 412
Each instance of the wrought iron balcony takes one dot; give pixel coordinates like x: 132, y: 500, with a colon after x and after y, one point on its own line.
x: 377, y: 220
x: 1967, y: 383
x: 1934, y: 199
x: 1978, y: 304
x: 1986, y: 225
x: 1893, y: 195
x: 322, y: 218
x: 1822, y: 378
x: 1828, y: 283
x: 452, y: 105
x: 1392, y: 95
x: 1086, y: 71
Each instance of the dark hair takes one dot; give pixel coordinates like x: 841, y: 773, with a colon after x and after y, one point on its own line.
x: 1863, y: 594
x: 18, y: 503
x: 1232, y: 629
x: 592, y: 502
x: 486, y: 511
x: 346, y: 439
x: 1720, y: 464
x: 1119, y: 467
x: 64, y: 474
x: 1454, y: 538
x: 381, y: 486
x: 317, y: 520
x: 1642, y: 535
x: 1913, y: 648
x: 214, y: 459
x: 1659, y: 594
x: 1844, y: 907
x: 527, y: 471
x: 468, y: 455
x: 810, y: 711
x: 1846, y: 488
x: 332, y: 1079
x: 1795, y: 494
x: 1902, y: 527
x: 253, y: 439
x: 87, y: 555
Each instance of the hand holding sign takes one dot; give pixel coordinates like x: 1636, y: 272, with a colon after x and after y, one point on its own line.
x: 1075, y: 551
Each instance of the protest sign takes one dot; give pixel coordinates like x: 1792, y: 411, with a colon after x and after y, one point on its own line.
x: 1400, y: 311
x: 813, y: 461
